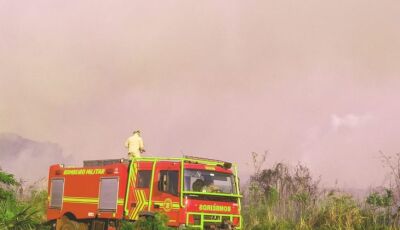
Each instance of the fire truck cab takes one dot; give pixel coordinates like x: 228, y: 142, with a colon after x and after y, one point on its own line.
x: 193, y: 192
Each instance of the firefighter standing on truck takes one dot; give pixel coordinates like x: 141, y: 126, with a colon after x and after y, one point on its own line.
x: 135, y: 145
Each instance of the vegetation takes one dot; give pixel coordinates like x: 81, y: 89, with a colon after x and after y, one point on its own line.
x: 159, y: 222
x: 289, y: 198
x: 7, y: 180
x: 16, y: 213
x: 279, y: 198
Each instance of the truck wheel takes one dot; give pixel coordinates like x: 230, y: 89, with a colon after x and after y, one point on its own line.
x: 70, y: 226
x: 67, y: 224
x: 74, y: 226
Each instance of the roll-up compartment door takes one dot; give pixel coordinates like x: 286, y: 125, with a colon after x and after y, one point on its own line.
x: 57, y: 193
x: 108, y: 194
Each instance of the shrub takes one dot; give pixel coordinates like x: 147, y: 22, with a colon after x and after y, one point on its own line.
x: 17, y: 216
x: 157, y: 222
x: 285, y: 197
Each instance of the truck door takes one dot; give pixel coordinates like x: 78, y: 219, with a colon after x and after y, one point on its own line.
x: 138, y: 192
x: 166, y: 192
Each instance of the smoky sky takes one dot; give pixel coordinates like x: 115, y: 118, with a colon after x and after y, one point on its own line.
x: 29, y: 160
x: 310, y: 81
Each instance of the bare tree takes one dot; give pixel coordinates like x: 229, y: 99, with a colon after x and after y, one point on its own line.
x: 287, y: 191
x: 393, y: 164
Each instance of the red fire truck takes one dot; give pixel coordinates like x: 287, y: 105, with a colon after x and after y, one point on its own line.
x: 193, y: 192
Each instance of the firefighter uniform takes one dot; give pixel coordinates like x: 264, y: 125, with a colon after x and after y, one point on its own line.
x: 135, y: 145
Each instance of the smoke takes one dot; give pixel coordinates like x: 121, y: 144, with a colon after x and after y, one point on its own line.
x: 349, y: 120
x: 28, y: 159
x: 313, y: 81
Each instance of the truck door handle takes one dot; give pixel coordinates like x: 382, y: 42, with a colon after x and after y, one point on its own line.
x: 133, y: 205
x: 156, y: 206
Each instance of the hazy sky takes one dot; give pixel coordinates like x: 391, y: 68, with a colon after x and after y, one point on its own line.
x: 311, y: 81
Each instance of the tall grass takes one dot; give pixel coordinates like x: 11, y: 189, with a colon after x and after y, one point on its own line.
x: 282, y: 197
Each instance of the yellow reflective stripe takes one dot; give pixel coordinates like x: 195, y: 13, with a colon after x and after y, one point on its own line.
x: 80, y: 197
x: 136, y: 207
x: 158, y: 201
x: 175, y: 205
x: 133, y: 182
x: 141, y: 203
x: 132, y: 178
x: 143, y: 200
x: 138, y: 201
x: 86, y: 200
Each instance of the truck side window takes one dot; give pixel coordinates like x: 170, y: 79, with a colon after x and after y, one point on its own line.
x: 144, y: 177
x: 173, y: 182
x: 168, y: 182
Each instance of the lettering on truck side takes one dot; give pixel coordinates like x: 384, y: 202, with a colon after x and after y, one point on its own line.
x: 215, y: 208
x: 84, y: 172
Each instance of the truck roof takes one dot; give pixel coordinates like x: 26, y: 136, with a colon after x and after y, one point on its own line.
x: 186, y: 159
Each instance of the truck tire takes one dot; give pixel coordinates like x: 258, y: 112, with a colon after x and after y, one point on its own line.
x: 70, y: 226
x: 67, y: 224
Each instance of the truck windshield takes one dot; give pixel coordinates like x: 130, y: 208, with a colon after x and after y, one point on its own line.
x: 209, y: 181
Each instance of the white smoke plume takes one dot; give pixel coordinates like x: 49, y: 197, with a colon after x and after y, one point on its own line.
x: 28, y: 159
x: 349, y: 120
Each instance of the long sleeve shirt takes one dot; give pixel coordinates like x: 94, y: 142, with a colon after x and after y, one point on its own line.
x: 134, y: 144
